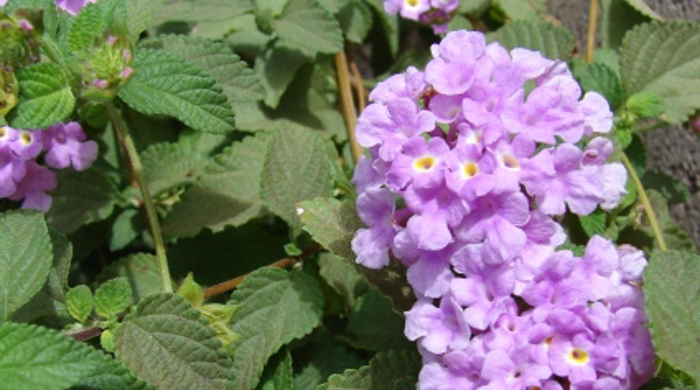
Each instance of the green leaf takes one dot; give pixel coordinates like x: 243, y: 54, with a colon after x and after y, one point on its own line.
x: 616, y: 19
x: 390, y: 26
x: 202, y: 10
x: 127, y: 226
x: 382, y: 373
x: 226, y: 194
x: 89, y: 24
x: 553, y: 42
x: 36, y: 358
x: 276, y: 67
x: 278, y: 374
x: 25, y: 258
x: 239, y: 82
x: 331, y: 223
x: 45, y: 97
x: 79, y: 302
x: 643, y: 8
x: 664, y: 58
x: 113, y: 297
x: 166, y: 85
x: 674, y: 191
x: 168, y: 165
x: 645, y: 105
x: 599, y: 78
x: 140, y: 270
x: 676, y: 238
x: 355, y: 20
x: 80, y: 198
x: 269, y: 298
x: 296, y: 169
x: 343, y: 277
x: 374, y: 325
x: 111, y: 374
x: 140, y: 13
x: 523, y: 10
x: 671, y: 290
x: 593, y: 223
x: 322, y: 357
x: 306, y: 26
x: 167, y: 342
x: 459, y: 22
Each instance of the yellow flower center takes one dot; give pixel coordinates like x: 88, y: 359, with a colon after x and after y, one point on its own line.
x: 26, y: 138
x: 424, y: 164
x: 510, y: 162
x: 470, y: 170
x: 578, y: 356
x: 412, y: 3
x: 3, y: 132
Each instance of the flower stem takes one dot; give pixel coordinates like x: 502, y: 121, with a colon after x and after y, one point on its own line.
x: 349, y: 112
x: 590, y: 37
x: 645, y: 202
x: 135, y: 161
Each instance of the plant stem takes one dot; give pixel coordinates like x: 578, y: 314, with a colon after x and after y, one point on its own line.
x: 349, y: 112
x: 590, y: 37
x: 645, y: 202
x: 137, y: 169
x: 361, y: 91
x: 84, y: 334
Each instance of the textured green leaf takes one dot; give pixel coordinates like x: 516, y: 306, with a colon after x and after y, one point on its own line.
x: 617, y: 17
x: 80, y: 198
x: 523, y: 10
x: 239, y: 82
x: 111, y: 374
x: 164, y: 84
x: 79, y: 302
x: 459, y: 22
x: 382, y: 373
x: 374, y: 325
x: 331, y: 223
x: 390, y: 25
x: 167, y: 165
x: 276, y: 67
x: 278, y: 374
x: 140, y: 270
x: 306, y: 26
x: 343, y: 277
x: 674, y: 191
x: 25, y: 258
x: 276, y: 307
x: 226, y: 194
x: 296, y: 169
x: 45, y: 97
x: 168, y: 343
x: 552, y: 41
x: 671, y: 290
x: 36, y: 358
x: 593, y: 223
x: 140, y: 13
x: 599, y: 78
x: 664, y: 58
x: 89, y: 24
x: 113, y: 297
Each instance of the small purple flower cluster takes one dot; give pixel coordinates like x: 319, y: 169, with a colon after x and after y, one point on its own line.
x: 469, y: 162
x: 21, y: 177
x: 435, y: 13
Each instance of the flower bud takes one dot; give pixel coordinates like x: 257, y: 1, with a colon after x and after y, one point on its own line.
x: 107, y: 67
x: 9, y: 89
x: 645, y: 105
x: 18, y: 47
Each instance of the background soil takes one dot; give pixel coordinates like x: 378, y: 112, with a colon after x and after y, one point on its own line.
x: 673, y: 150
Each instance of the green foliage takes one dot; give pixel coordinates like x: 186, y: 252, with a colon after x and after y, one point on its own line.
x: 89, y: 24
x: 113, y: 297
x: 79, y: 199
x: 382, y: 373
x: 593, y: 223
x: 278, y: 373
x: 670, y: 287
x: 663, y: 58
x: 276, y: 67
x: 166, y: 85
x: 141, y: 272
x: 645, y: 105
x: 140, y: 13
x: 355, y: 20
x: 167, y: 342
x: 276, y: 307
x: 169, y: 165
x: 25, y: 258
x: 550, y: 40
x: 37, y: 358
x: 343, y: 277
x: 296, y: 169
x: 45, y: 97
x: 127, y: 226
x: 331, y: 223
x: 309, y: 28
x: 522, y: 10
x: 599, y: 78
x: 79, y: 302
x: 374, y: 325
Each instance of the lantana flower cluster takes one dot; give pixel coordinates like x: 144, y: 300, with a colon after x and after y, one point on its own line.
x: 22, y: 177
x: 435, y: 13
x: 470, y: 161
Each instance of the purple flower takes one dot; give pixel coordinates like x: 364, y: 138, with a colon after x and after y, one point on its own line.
x: 419, y: 165
x: 454, y: 67
x: 34, y: 187
x: 406, y: 85
x: 66, y: 145
x: 376, y: 209
x: 512, y: 371
x: 27, y: 145
x: 438, y: 329
x: 73, y: 6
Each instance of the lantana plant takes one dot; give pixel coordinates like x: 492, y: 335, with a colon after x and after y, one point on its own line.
x: 344, y: 194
